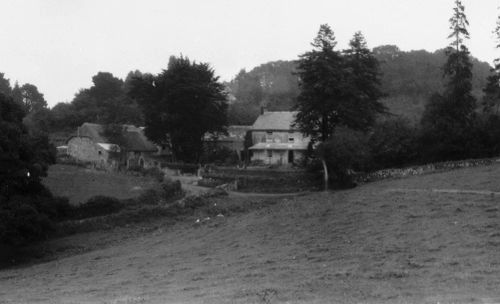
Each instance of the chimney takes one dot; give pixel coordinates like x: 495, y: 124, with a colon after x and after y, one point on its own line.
x: 262, y: 110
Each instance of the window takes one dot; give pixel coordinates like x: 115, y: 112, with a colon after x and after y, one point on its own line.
x: 291, y: 139
x: 269, y: 132
x: 99, y: 152
x: 269, y: 153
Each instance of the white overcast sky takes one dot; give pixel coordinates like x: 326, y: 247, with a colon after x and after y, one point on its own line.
x: 58, y: 45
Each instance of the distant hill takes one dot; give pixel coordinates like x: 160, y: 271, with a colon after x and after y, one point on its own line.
x: 408, y: 78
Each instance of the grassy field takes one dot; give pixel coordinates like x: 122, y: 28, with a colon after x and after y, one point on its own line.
x: 80, y: 184
x: 427, y: 239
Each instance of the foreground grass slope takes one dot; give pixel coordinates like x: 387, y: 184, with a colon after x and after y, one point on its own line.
x: 386, y: 242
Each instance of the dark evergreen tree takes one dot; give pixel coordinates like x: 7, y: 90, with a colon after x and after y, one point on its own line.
x: 364, y: 92
x: 322, y: 82
x: 181, y: 105
x: 25, y: 205
x: 491, y: 99
x: 448, y: 120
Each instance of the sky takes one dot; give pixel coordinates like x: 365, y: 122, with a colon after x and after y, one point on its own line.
x: 58, y: 45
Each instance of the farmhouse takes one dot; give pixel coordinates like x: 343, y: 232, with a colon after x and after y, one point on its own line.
x: 276, y: 141
x: 125, y: 147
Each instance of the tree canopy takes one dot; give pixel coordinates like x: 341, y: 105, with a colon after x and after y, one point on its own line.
x: 337, y: 89
x: 184, y: 101
x: 105, y: 102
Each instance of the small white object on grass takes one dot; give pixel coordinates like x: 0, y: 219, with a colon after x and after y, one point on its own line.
x: 197, y: 221
x: 220, y: 215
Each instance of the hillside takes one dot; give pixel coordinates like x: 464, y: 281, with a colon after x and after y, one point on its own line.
x: 427, y: 239
x: 408, y: 79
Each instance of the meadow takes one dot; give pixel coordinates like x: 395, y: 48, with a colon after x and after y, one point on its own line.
x: 79, y: 184
x: 423, y: 239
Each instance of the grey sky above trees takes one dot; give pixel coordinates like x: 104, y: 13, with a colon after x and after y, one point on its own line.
x: 59, y: 45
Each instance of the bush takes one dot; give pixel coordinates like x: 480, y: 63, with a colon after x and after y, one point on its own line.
x: 21, y: 223
x: 344, y: 152
x: 28, y: 218
x: 97, y: 206
x: 393, y: 143
x: 155, y: 173
x: 219, y: 156
x: 162, y: 193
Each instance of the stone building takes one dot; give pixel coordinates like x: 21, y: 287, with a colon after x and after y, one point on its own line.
x: 276, y: 141
x: 129, y: 149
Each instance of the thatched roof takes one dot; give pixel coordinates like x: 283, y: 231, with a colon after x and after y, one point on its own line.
x: 133, y: 137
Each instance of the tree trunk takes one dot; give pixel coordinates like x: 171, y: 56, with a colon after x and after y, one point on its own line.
x: 325, y: 171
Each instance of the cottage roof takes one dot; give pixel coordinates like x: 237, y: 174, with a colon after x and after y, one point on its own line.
x: 92, y: 130
x: 136, y: 141
x: 133, y: 137
x: 275, y: 121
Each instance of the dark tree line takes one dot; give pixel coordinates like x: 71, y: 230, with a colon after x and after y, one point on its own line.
x: 105, y: 102
x: 27, y: 208
x: 181, y: 105
x: 453, y: 125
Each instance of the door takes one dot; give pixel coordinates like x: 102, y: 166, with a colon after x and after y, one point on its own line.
x: 290, y: 156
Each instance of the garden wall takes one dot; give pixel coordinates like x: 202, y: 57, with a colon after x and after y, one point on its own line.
x: 263, y: 180
x: 423, y: 169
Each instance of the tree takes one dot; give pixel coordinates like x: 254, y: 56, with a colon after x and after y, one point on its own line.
x: 491, y: 99
x: 24, y: 202
x: 346, y: 150
x: 448, y: 119
x: 336, y: 89
x: 185, y: 101
x: 32, y: 99
x: 322, y: 83
x: 5, y: 87
x: 364, y: 82
x: 105, y: 102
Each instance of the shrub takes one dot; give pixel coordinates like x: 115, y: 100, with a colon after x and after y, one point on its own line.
x: 162, y: 193
x: 344, y: 152
x: 171, y: 189
x: 21, y: 223
x: 219, y: 155
x: 97, y: 206
x: 56, y: 208
x: 155, y: 173
x: 393, y: 143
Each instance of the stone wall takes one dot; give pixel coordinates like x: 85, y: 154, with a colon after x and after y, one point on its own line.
x: 423, y: 169
x: 264, y: 180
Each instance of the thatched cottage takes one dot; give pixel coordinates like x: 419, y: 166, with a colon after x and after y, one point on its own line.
x: 127, y: 148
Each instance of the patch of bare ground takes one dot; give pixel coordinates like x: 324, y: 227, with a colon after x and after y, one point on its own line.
x: 365, y: 245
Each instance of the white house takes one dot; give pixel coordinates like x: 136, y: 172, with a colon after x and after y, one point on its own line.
x: 275, y: 140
